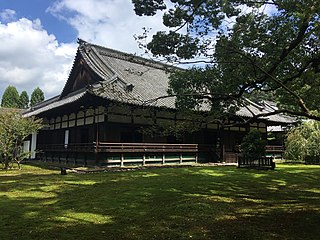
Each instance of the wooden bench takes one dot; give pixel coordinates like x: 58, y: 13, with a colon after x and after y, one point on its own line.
x: 260, y: 163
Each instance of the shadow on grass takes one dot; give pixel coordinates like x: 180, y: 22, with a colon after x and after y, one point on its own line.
x: 191, y: 203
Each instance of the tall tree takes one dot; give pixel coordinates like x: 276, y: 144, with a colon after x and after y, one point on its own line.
x: 303, y: 142
x: 36, y: 96
x: 239, y: 47
x: 23, y: 100
x: 10, y: 98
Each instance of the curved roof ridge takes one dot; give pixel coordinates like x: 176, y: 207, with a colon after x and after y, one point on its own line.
x: 106, y: 62
x: 260, y: 107
x: 100, y: 67
x: 129, y: 56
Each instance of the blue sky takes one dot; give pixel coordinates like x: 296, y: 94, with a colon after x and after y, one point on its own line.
x: 39, y: 37
x: 33, y: 9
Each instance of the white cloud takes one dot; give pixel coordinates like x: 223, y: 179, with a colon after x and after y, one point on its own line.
x: 7, y: 15
x: 107, y: 22
x: 31, y: 57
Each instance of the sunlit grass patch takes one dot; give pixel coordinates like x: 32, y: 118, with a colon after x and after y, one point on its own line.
x: 30, y: 194
x: 150, y: 175
x: 81, y: 217
x: 79, y: 182
x: 210, y: 172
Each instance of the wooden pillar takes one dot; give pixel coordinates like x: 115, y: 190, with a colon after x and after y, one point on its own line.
x: 96, y: 151
x: 59, y: 160
x: 33, y: 145
x: 222, y: 142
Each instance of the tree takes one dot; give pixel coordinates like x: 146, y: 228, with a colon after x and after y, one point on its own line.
x: 10, y: 98
x: 24, y: 100
x: 239, y: 47
x: 14, y: 128
x: 253, y: 145
x: 36, y: 96
x: 303, y: 141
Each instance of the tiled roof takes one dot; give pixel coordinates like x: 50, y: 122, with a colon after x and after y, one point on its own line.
x: 131, y: 79
x: 252, y: 109
x: 53, y: 103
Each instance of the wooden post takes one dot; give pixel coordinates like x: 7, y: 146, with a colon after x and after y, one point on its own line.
x: 67, y: 155
x: 75, y: 157
x: 122, y: 159
x: 163, y: 158
x: 97, y: 139
x: 144, y: 160
x: 221, y: 142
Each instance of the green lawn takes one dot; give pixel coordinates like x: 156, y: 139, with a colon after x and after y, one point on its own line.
x: 167, y: 203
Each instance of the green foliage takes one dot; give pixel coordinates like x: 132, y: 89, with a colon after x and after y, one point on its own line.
x: 178, y: 130
x: 239, y: 49
x: 253, y: 145
x: 23, y: 100
x: 200, y: 86
x: 13, y: 130
x: 10, y: 98
x: 37, y: 96
x: 148, y: 7
x: 259, y: 96
x: 173, y: 43
x: 303, y: 141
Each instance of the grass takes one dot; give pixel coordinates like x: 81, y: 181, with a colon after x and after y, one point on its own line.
x: 168, y: 203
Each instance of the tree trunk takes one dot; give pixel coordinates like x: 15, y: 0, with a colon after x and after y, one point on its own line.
x: 6, y: 163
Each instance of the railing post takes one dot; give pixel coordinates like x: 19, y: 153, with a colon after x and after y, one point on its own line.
x: 180, y: 154
x: 144, y: 159
x: 122, y: 159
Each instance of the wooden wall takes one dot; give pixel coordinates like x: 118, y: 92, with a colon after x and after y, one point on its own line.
x: 124, y: 123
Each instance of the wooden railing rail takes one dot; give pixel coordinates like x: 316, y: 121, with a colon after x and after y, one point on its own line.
x: 145, y: 147
x: 77, y: 147
x: 125, y: 147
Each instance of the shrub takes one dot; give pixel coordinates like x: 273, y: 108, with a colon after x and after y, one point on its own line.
x: 253, y: 145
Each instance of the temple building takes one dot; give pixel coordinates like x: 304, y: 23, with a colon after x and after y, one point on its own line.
x: 110, y: 101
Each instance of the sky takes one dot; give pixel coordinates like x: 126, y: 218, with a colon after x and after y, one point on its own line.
x: 38, y: 38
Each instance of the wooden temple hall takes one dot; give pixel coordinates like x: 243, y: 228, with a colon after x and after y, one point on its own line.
x: 106, y: 105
